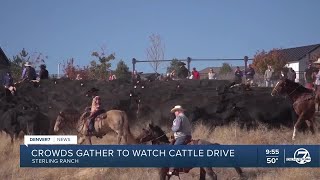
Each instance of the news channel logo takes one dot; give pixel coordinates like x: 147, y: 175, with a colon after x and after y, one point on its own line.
x: 300, y: 156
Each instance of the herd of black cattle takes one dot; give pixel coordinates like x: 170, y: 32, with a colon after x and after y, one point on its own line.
x: 214, y: 102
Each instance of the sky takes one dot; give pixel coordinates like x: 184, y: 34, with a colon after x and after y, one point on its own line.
x: 203, y: 29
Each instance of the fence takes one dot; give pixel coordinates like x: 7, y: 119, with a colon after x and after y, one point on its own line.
x: 189, y: 60
x: 258, y: 78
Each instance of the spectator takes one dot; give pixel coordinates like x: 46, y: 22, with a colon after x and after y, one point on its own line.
x: 283, y: 74
x: 238, y: 76
x: 112, y: 76
x: 43, y: 74
x: 291, y: 74
x: 317, y: 76
x: 29, y: 73
x: 195, y: 74
x: 173, y: 75
x: 268, y: 75
x: 212, y: 74
x: 136, y: 77
x: 308, y: 77
x: 78, y: 77
x: 250, y: 74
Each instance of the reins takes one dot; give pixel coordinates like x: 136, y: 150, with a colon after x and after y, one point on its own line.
x: 294, y: 90
x: 154, y: 138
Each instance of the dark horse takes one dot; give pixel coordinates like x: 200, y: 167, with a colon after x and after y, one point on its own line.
x: 157, y: 136
x: 303, y: 102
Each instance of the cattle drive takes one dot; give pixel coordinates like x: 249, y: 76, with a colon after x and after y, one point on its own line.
x: 216, y: 103
x: 64, y: 106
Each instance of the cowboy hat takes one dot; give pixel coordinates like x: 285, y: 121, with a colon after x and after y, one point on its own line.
x: 317, y: 62
x: 177, y: 108
x: 27, y: 64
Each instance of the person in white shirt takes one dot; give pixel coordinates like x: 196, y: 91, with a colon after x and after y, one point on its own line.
x: 211, y: 74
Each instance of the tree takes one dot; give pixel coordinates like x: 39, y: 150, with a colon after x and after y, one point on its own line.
x: 174, y: 65
x: 274, y: 57
x: 100, y: 70
x: 122, y: 71
x: 71, y: 70
x: 155, y: 52
x: 225, y: 69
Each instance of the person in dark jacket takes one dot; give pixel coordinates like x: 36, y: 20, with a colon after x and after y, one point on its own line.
x: 250, y: 74
x: 291, y: 74
x: 238, y: 75
x: 29, y: 73
x: 43, y: 74
x: 8, y: 83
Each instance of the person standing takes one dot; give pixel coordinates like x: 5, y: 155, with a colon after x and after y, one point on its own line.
x: 268, y: 75
x: 308, y: 77
x: 238, y: 76
x: 212, y: 74
x: 250, y: 74
x: 291, y: 74
x: 195, y: 74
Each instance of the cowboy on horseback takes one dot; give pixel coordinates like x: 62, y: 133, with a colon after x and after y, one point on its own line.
x: 8, y: 83
x: 182, y: 130
x: 94, y: 112
x: 28, y: 73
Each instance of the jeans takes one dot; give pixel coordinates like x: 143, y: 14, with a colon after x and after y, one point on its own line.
x: 268, y: 83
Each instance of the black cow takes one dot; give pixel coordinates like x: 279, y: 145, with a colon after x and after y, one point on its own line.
x: 248, y: 109
x: 9, y: 123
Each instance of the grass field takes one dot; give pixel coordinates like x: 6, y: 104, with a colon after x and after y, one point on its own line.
x: 9, y: 159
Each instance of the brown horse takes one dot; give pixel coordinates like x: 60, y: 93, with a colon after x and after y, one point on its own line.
x: 303, y: 102
x: 115, y: 120
x: 157, y: 136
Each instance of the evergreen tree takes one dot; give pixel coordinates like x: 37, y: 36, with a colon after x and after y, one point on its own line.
x: 122, y: 71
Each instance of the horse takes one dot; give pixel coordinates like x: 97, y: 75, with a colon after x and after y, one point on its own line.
x: 157, y: 136
x: 66, y: 121
x: 115, y: 120
x: 302, y: 99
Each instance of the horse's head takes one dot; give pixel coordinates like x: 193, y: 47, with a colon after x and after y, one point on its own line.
x: 59, y: 122
x: 286, y: 86
x: 280, y: 88
x: 154, y: 134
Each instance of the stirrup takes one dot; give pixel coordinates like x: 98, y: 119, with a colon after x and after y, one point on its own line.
x: 174, y: 172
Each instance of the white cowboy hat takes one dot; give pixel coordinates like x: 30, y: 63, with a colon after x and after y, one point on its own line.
x: 177, y: 108
x: 27, y: 64
x: 317, y: 62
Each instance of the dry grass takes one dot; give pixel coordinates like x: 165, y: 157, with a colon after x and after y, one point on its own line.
x: 9, y: 161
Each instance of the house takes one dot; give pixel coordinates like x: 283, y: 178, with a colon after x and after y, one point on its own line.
x: 299, y: 57
x: 4, y: 64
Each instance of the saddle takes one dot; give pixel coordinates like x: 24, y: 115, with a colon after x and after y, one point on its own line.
x: 97, y: 123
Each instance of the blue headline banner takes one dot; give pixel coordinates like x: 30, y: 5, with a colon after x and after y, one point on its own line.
x: 170, y: 156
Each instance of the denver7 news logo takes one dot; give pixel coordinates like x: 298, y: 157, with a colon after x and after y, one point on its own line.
x: 301, y: 156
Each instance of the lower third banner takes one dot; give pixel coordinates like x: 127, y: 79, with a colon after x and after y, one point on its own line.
x: 169, y: 156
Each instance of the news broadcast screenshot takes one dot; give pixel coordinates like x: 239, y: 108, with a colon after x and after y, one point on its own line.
x: 145, y: 90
